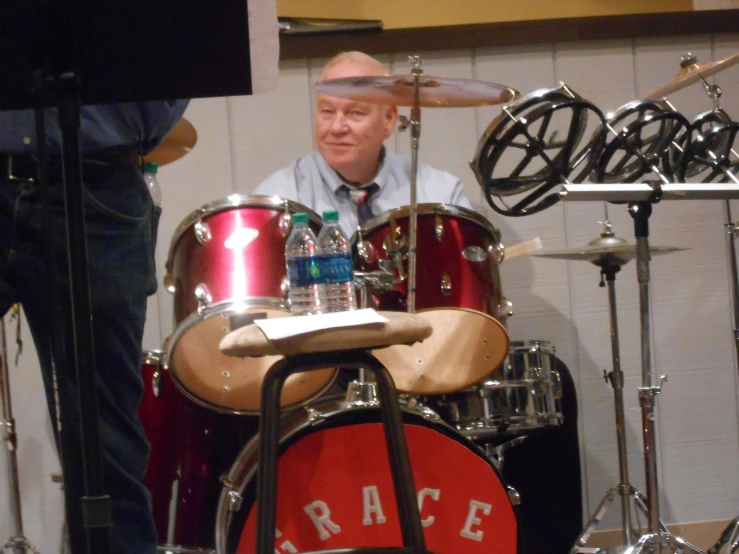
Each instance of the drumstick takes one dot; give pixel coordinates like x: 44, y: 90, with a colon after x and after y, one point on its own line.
x: 523, y: 248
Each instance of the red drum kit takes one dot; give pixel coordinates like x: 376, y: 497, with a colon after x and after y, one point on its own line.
x: 226, y: 268
x: 465, y: 388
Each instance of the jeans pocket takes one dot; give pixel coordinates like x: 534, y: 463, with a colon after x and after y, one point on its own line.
x: 122, y: 195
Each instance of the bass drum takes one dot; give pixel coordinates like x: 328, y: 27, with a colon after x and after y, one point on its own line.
x: 335, y: 490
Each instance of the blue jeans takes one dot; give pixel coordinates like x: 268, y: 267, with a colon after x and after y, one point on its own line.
x: 121, y: 223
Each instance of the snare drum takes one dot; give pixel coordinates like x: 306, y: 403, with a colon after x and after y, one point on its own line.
x: 523, y: 395
x: 458, y: 291
x: 335, y: 489
x: 226, y: 268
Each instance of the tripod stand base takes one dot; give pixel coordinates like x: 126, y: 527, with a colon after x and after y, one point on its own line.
x: 663, y: 543
x: 18, y: 545
x: 730, y: 536
x: 634, y: 497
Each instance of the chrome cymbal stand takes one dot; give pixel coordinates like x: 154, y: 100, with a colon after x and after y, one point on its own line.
x: 17, y: 544
x: 610, y: 265
x: 415, y: 125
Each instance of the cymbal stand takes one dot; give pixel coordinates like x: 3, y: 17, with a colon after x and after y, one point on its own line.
x: 609, y: 266
x: 18, y: 543
x: 415, y: 125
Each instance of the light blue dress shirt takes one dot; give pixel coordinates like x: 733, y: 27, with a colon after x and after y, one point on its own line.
x: 312, y: 182
x: 102, y: 126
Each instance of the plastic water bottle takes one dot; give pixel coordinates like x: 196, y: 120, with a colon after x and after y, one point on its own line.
x: 334, y: 261
x: 302, y: 268
x: 150, y: 177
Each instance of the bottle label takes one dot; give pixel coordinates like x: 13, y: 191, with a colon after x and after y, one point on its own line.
x: 303, y: 272
x: 336, y: 268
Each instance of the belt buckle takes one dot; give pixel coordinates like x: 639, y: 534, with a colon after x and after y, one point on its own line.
x: 12, y: 177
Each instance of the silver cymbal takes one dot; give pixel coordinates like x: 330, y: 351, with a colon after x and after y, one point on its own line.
x: 607, y: 249
x: 433, y: 92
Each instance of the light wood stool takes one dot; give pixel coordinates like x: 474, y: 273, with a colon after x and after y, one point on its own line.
x: 346, y: 347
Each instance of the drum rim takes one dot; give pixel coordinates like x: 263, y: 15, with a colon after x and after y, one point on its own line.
x: 533, y: 345
x: 297, y: 423
x: 154, y: 357
x: 432, y: 209
x: 237, y: 201
x: 216, y: 309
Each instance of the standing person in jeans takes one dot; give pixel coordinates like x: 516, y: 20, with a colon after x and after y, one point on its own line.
x: 121, y: 225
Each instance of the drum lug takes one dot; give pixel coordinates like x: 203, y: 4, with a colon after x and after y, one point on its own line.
x: 438, y: 227
x: 286, y: 223
x: 395, y: 241
x: 156, y: 383
x: 474, y: 254
x: 234, y: 501
x: 202, y: 295
x: 446, y: 284
x: 168, y: 282
x: 314, y: 416
x: 513, y: 495
x: 556, y: 385
x: 202, y: 232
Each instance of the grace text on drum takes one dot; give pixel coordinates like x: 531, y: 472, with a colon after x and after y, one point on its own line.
x: 320, y: 515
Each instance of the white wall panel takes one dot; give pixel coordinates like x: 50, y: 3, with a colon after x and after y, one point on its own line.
x: 271, y: 130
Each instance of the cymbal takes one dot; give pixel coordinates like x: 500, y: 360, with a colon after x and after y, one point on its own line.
x: 607, y: 249
x: 692, y: 74
x: 433, y: 92
x: 180, y: 140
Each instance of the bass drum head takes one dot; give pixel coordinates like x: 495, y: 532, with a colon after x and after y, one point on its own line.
x: 465, y: 347
x: 335, y: 488
x: 230, y: 384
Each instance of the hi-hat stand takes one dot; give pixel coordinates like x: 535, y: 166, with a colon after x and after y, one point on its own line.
x: 18, y: 543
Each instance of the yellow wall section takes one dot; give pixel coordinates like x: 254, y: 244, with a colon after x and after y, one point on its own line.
x: 398, y: 14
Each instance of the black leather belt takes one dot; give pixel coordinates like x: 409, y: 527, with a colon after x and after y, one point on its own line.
x: 95, y: 165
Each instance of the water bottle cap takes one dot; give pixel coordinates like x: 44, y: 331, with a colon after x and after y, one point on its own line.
x: 151, y: 167
x: 300, y: 217
x: 330, y: 216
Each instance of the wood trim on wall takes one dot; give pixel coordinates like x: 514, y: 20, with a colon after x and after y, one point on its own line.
x: 421, y: 39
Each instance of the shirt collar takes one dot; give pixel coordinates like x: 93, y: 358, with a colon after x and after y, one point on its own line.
x: 334, y: 181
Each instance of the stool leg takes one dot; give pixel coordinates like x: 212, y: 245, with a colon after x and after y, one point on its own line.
x: 400, y: 465
x: 269, y: 450
x: 392, y: 421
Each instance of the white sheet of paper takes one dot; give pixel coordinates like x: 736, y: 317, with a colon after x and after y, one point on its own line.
x: 283, y: 327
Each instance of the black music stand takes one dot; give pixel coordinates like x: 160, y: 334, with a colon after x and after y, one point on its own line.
x: 66, y: 52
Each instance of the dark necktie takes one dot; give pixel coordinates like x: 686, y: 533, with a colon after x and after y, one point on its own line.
x: 362, y: 197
